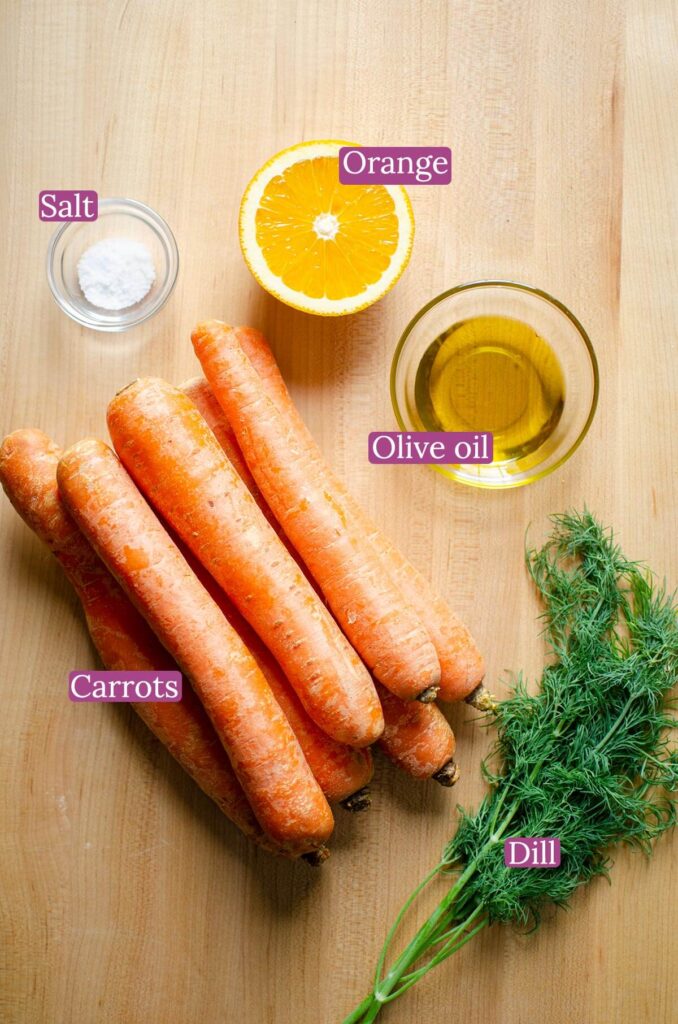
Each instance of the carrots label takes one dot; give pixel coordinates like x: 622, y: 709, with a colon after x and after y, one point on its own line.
x: 124, y: 687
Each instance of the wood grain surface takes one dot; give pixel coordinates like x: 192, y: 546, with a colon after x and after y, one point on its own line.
x: 126, y: 897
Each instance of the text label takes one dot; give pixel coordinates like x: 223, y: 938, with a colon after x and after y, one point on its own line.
x: 395, y: 165
x: 430, y: 448
x: 124, y: 687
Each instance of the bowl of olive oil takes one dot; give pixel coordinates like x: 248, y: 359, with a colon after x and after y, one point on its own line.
x: 502, y: 357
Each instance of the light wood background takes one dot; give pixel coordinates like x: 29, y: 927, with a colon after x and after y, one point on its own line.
x: 126, y: 898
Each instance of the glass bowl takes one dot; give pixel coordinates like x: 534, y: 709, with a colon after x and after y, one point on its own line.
x: 549, y: 319
x: 121, y: 218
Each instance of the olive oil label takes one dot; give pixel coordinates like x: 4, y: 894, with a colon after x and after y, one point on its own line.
x: 430, y: 447
x: 491, y: 373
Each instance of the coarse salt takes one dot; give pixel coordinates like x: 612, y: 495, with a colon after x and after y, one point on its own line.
x: 116, y: 273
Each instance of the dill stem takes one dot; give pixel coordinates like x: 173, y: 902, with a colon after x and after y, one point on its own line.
x: 452, y: 932
x: 394, y: 927
x: 370, y: 1007
x: 422, y: 939
x: 455, y: 939
x: 615, y: 725
x: 358, y: 1014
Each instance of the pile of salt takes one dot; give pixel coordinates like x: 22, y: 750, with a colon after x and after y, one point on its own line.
x: 116, y: 273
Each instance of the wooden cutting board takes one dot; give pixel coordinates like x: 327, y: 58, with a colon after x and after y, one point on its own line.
x: 126, y: 897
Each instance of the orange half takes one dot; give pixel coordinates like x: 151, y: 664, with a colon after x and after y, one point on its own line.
x: 318, y: 245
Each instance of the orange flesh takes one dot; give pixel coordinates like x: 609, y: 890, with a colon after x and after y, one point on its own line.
x: 337, y: 268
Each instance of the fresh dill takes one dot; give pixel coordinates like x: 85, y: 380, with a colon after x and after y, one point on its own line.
x: 588, y: 758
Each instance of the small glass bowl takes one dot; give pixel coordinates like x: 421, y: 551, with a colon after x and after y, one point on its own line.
x: 120, y: 218
x: 550, y: 320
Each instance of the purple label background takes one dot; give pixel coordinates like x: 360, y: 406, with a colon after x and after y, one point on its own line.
x: 365, y: 177
x: 112, y: 677
x: 536, y: 856
x: 408, y: 440
x: 58, y: 195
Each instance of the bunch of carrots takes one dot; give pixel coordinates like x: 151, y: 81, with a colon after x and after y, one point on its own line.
x: 217, y: 539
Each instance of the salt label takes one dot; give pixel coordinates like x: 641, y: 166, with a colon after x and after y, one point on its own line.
x: 68, y: 205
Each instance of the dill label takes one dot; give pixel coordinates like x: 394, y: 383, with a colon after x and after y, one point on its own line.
x: 523, y: 852
x: 587, y: 758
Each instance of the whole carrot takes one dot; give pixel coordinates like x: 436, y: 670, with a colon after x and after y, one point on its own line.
x: 462, y: 665
x: 172, y: 454
x: 28, y: 465
x: 303, y: 495
x: 261, y: 746
x: 418, y: 739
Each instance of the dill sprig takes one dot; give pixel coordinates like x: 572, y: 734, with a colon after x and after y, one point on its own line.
x: 588, y: 758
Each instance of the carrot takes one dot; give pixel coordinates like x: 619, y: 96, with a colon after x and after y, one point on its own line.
x: 124, y: 641
x: 262, y: 748
x: 462, y: 665
x: 172, y: 454
x: 302, y: 493
x: 418, y: 739
x: 342, y: 772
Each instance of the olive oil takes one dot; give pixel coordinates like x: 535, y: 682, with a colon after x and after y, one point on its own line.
x: 492, y: 373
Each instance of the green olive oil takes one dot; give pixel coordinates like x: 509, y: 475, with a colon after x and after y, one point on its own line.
x: 492, y: 373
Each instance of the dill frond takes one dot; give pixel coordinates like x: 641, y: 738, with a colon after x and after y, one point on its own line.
x: 588, y: 758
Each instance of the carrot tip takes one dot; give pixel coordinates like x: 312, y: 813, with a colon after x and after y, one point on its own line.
x: 428, y: 695
x: 358, y: 801
x: 316, y: 857
x: 449, y: 774
x: 481, y: 699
